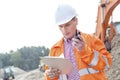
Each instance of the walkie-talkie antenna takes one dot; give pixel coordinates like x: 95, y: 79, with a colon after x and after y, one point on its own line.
x: 76, y: 34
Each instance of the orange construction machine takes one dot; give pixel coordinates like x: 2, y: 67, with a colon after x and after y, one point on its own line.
x: 105, y: 29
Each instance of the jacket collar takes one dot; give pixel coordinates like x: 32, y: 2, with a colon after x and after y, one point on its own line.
x: 59, y: 43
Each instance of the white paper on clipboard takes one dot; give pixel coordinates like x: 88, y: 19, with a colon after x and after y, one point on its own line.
x: 62, y: 64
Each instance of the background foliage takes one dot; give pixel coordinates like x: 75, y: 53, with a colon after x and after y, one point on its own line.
x: 26, y: 58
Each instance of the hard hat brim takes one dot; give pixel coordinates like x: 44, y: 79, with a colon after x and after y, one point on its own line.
x: 66, y: 20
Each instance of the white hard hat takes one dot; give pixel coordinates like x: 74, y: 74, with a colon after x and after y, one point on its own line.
x: 64, y: 14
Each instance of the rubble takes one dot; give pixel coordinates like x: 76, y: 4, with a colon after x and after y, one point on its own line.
x: 114, y: 72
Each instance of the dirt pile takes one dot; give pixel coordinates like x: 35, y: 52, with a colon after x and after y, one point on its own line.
x: 32, y: 75
x: 18, y: 71
x: 114, y: 73
x: 23, y: 75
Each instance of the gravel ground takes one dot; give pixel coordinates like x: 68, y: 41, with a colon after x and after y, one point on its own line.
x: 114, y: 73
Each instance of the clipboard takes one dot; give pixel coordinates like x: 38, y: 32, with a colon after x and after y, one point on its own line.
x: 62, y: 64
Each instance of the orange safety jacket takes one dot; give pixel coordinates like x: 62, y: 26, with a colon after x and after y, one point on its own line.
x: 92, y: 60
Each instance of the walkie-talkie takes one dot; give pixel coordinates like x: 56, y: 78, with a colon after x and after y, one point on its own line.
x: 76, y: 34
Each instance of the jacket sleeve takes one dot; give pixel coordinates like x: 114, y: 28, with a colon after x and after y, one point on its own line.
x: 95, y: 54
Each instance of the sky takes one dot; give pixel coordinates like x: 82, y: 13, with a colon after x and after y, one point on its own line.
x: 31, y: 22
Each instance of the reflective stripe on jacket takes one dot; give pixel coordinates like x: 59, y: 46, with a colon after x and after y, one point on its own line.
x: 91, y: 61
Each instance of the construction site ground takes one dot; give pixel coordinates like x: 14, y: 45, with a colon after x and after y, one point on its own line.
x: 23, y: 75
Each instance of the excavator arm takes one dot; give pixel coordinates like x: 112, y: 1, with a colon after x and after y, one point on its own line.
x: 105, y: 10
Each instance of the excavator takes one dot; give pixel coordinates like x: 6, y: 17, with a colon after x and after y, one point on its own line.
x: 106, y: 30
